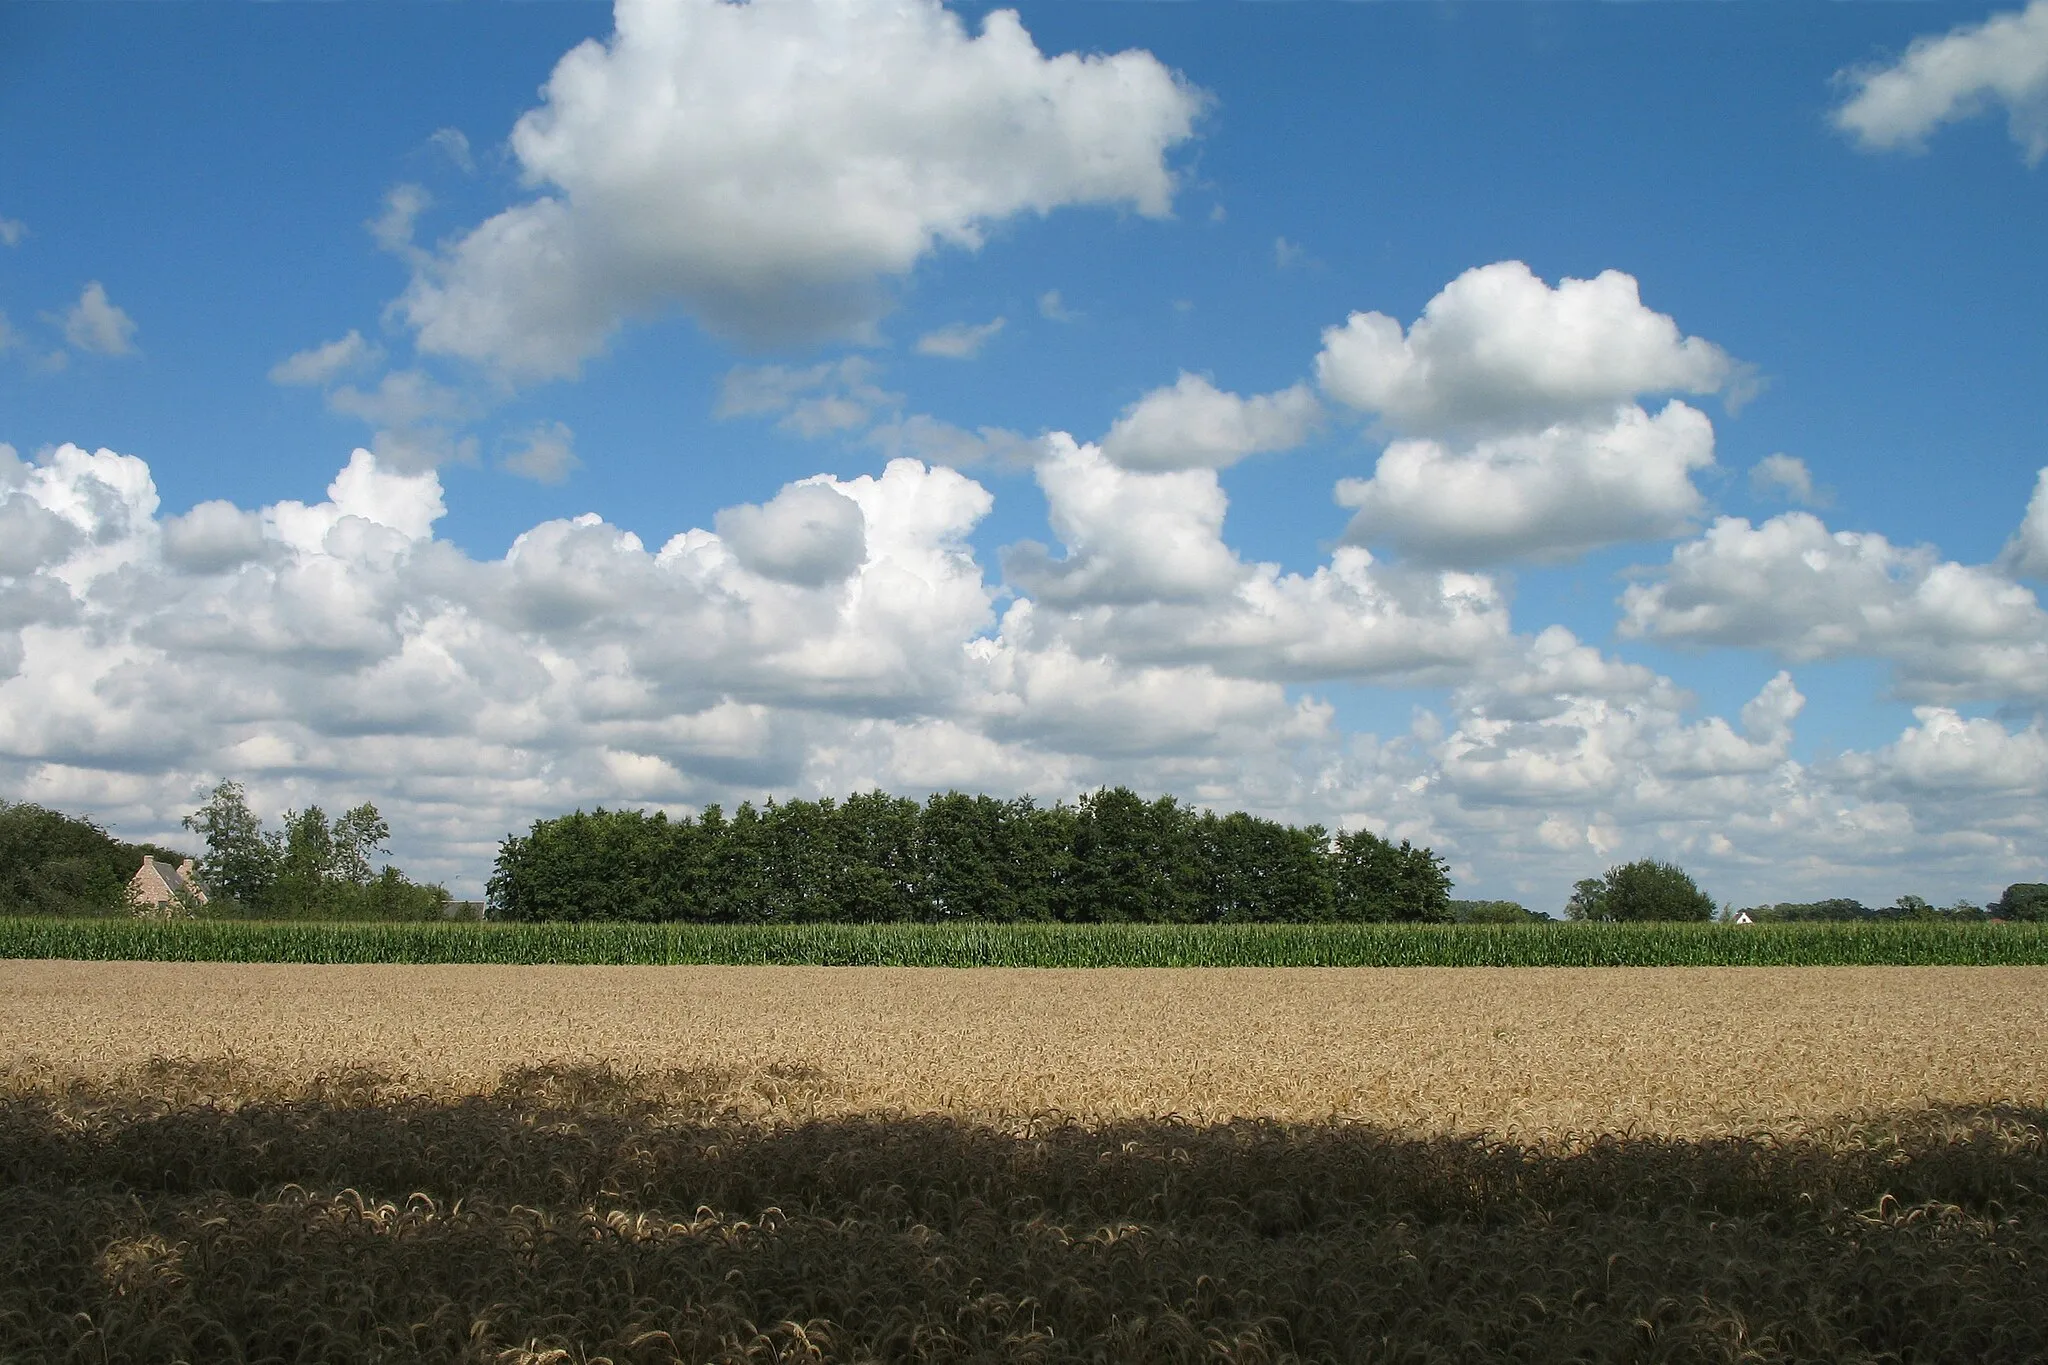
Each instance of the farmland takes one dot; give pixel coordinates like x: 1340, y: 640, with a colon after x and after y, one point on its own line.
x: 1894, y: 943
x: 224, y: 1161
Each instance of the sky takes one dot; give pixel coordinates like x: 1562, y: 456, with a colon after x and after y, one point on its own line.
x: 1557, y: 434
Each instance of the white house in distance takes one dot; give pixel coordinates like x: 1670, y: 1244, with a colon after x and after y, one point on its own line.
x: 157, y: 884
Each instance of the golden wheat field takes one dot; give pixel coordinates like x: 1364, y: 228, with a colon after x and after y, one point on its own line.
x: 235, y: 1162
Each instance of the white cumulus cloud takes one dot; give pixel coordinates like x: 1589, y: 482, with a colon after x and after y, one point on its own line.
x: 1500, y: 350
x: 1546, y: 495
x: 2000, y: 61
x: 214, y: 536
x: 1791, y: 585
x: 1947, y: 752
x: 454, y: 144
x: 769, y: 166
x: 1129, y: 537
x: 1147, y: 577
x: 809, y: 533
x: 417, y: 420
x: 1192, y: 424
x: 1517, y: 430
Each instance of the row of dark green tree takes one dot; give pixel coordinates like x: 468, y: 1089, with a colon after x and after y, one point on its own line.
x: 2021, y: 901
x: 313, y: 867
x: 1110, y: 857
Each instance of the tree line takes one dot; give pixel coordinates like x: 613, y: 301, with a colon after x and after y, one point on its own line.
x: 1651, y: 890
x: 312, y: 867
x: 1112, y: 856
x: 2021, y: 901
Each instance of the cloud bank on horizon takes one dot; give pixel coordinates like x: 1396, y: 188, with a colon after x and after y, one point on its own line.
x: 785, y: 173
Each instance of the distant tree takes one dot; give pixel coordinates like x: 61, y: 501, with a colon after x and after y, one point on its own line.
x: 1133, y: 860
x: 1039, y: 858
x: 1833, y: 909
x: 604, y: 864
x: 880, y: 873
x: 1641, y: 890
x: 1253, y: 870
x: 966, y: 859
x: 798, y: 856
x: 1378, y: 881
x: 304, y: 859
x: 239, y: 863
x: 391, y: 895
x: 2022, y: 901
x: 1492, y: 912
x: 57, y: 864
x: 1588, y: 899
x: 312, y: 868
x: 358, y: 836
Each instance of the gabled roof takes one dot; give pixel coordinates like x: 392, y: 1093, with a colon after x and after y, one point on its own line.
x: 171, y: 879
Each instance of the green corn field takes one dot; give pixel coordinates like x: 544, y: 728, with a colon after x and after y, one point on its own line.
x: 1035, y: 945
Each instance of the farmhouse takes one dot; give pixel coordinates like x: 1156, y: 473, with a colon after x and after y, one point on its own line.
x: 157, y: 883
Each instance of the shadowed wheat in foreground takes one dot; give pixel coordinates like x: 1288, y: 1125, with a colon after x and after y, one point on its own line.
x: 207, y: 1162
x: 188, y: 1212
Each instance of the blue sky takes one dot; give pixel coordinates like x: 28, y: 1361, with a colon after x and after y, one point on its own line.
x: 1830, y: 238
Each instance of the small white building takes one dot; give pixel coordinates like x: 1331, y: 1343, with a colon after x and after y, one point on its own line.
x: 157, y: 884
x: 1742, y: 917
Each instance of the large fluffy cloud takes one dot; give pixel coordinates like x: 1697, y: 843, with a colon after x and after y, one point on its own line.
x: 809, y: 534
x: 1519, y: 433
x: 841, y: 633
x: 1146, y: 576
x: 2003, y: 60
x: 1791, y: 585
x: 1129, y: 537
x: 1563, y: 725
x: 1944, y: 752
x: 1544, y: 495
x: 769, y: 165
x: 1500, y: 350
